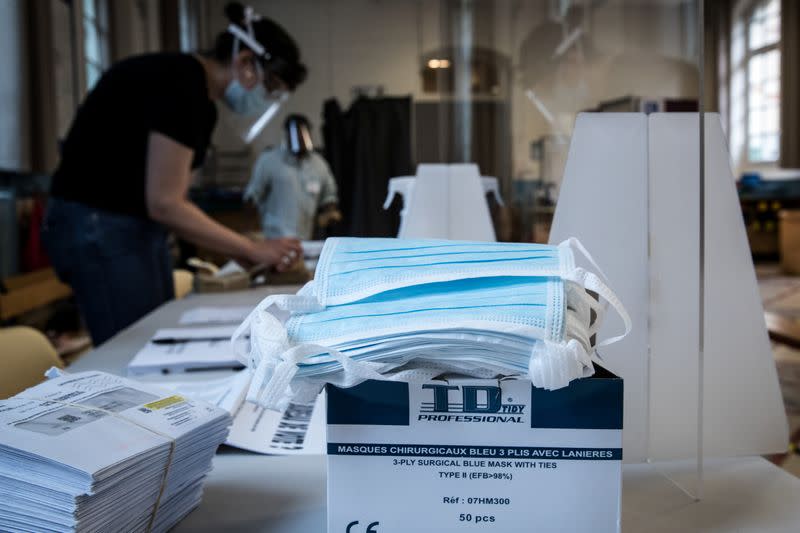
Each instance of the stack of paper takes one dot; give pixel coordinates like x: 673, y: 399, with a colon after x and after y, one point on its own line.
x: 182, y: 349
x: 299, y: 430
x: 95, y: 452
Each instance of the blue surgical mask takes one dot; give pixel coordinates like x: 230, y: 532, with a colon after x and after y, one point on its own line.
x: 513, y: 304
x: 247, y: 102
x: 379, y: 305
x: 350, y: 269
x: 256, y: 106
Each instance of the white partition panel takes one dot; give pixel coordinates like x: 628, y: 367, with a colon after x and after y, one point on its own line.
x: 631, y: 194
x: 428, y: 215
x: 603, y: 202
x: 674, y: 145
x: 448, y: 202
x: 744, y: 411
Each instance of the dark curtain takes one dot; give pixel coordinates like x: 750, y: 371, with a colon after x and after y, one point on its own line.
x: 340, y: 161
x: 365, y: 146
x: 435, y: 123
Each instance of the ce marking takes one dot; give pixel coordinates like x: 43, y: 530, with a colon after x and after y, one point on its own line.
x: 370, y: 528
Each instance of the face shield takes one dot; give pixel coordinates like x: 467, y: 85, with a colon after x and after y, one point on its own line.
x: 298, y: 136
x: 259, y: 102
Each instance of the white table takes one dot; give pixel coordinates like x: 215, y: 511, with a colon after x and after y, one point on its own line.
x: 250, y: 492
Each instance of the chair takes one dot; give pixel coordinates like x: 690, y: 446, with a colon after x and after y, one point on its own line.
x: 183, y: 282
x: 25, y: 355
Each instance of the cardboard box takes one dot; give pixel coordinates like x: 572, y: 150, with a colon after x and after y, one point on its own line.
x: 237, y: 281
x: 475, y: 455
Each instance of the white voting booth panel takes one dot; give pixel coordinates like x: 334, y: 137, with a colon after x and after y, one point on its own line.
x: 603, y: 202
x: 445, y: 202
x: 631, y: 195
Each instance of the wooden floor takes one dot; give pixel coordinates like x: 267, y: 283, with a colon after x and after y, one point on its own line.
x: 781, y: 297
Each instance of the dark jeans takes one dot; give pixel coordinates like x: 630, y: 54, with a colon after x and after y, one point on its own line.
x: 118, y: 266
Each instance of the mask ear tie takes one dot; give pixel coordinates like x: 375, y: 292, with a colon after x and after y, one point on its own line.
x: 591, y: 282
x: 553, y: 365
x: 275, y: 392
x: 245, y: 328
x: 575, y: 244
x: 268, y: 337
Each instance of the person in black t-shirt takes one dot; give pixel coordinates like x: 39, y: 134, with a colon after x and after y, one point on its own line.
x: 126, y: 165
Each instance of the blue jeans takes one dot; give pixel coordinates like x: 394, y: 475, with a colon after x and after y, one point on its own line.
x: 118, y: 266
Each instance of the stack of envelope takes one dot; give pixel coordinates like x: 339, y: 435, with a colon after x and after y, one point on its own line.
x: 96, y: 452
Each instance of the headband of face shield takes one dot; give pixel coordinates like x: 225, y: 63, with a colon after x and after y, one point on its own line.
x: 255, y: 106
x: 414, y: 309
x: 298, y: 135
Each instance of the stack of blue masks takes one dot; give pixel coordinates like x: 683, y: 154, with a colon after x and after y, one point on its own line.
x: 415, y: 309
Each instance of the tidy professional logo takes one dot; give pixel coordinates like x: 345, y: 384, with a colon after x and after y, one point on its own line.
x: 472, y: 403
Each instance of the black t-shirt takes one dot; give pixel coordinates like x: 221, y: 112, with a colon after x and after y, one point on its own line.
x: 104, y: 157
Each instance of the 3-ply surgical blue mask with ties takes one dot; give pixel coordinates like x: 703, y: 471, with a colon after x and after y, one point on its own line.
x: 351, y: 269
x: 248, y: 102
x: 414, y: 309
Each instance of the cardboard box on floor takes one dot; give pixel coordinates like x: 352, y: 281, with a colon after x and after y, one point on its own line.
x: 475, y: 455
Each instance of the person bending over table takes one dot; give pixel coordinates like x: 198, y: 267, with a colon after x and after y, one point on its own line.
x: 126, y: 166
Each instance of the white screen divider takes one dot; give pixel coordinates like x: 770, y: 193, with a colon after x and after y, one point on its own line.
x: 631, y: 194
x: 445, y: 202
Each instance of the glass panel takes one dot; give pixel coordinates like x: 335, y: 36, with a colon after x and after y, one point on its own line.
x: 496, y: 83
x: 499, y: 84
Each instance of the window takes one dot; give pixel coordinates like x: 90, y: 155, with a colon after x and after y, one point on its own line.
x: 755, y: 83
x: 188, y: 24
x: 95, y: 40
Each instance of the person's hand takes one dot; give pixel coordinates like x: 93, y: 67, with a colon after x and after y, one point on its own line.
x: 281, y: 254
x: 328, y: 216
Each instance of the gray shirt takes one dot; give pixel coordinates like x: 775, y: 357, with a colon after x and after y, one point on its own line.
x: 288, y: 192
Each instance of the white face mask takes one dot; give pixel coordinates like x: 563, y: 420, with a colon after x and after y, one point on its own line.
x: 378, y: 304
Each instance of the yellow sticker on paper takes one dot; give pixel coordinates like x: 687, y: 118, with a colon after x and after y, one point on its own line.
x: 165, y: 402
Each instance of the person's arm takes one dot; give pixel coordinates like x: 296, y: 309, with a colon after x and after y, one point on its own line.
x: 329, y: 193
x: 328, y: 212
x: 167, y: 186
x: 258, y: 187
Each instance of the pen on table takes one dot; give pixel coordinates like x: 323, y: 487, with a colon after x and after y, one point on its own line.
x: 181, y: 340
